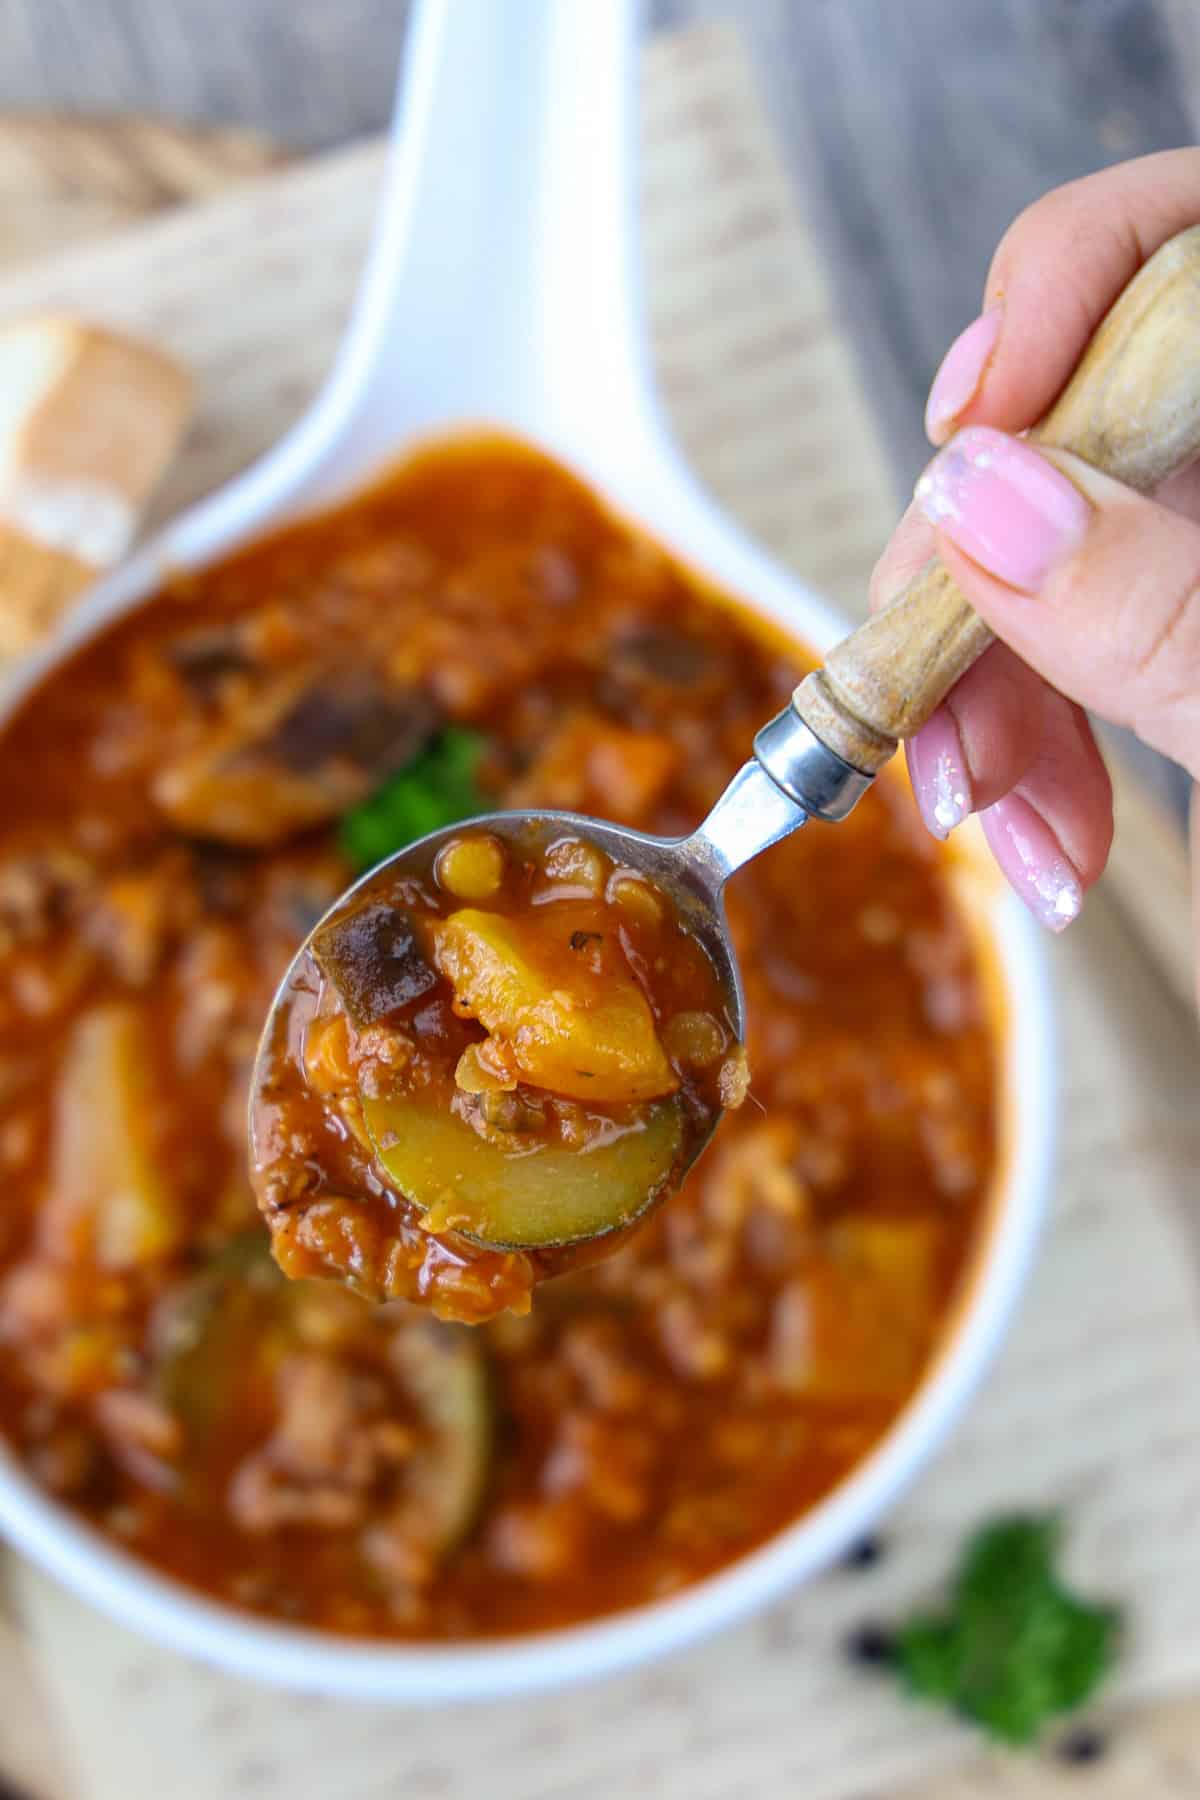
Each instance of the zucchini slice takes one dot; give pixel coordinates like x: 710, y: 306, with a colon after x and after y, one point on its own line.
x: 214, y: 1331
x: 225, y: 1334
x: 530, y: 1197
x: 444, y: 1371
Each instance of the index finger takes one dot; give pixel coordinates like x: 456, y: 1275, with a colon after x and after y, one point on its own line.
x: 1056, y: 272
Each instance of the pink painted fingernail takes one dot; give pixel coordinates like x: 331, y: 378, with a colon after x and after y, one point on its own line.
x: 962, y: 369
x: 1033, y: 861
x: 938, y: 770
x: 1005, y: 506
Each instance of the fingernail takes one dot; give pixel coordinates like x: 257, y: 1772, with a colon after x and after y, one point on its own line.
x: 1005, y: 506
x: 1032, y: 859
x: 938, y: 770
x: 962, y: 369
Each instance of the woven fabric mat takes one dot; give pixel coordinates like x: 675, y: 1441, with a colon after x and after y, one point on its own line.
x: 1093, y: 1404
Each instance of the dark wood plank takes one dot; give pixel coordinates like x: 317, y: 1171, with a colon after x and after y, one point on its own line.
x: 916, y: 132
x: 1182, y: 19
x: 308, y: 73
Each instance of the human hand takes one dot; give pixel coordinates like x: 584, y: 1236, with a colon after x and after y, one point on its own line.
x: 1094, y: 590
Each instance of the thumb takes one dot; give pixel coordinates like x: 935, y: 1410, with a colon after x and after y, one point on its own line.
x: 1093, y: 585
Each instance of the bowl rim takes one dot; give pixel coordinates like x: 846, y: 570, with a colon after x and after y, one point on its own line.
x: 301, y: 1659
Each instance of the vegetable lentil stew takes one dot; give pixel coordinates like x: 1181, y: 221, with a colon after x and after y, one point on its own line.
x: 517, y: 1038
x: 183, y: 800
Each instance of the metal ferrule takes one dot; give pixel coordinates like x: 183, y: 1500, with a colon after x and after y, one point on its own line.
x: 807, y: 770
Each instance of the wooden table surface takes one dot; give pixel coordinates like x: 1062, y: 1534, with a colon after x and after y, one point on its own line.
x: 913, y: 130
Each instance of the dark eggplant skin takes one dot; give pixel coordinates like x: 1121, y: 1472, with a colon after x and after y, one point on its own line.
x: 372, y: 958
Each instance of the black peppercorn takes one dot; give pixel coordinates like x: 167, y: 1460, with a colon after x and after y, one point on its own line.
x: 1083, y: 1745
x: 871, y: 1645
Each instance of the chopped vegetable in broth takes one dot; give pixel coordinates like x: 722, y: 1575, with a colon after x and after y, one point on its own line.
x: 456, y: 1101
x: 184, y: 800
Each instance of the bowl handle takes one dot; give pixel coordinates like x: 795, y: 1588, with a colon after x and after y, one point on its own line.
x: 501, y: 285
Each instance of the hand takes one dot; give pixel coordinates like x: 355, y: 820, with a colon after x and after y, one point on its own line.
x: 1093, y: 589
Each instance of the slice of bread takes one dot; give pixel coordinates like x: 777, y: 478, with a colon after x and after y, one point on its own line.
x: 88, y: 423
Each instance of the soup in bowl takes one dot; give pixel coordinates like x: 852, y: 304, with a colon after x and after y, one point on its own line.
x: 314, y: 1487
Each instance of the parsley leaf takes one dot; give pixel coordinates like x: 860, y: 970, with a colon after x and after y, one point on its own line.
x: 1016, y: 1647
x: 438, y: 787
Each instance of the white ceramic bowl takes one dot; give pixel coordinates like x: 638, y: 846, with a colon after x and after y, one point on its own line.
x: 500, y: 289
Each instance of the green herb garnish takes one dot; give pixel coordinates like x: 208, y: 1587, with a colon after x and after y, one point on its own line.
x: 1016, y: 1647
x: 436, y: 788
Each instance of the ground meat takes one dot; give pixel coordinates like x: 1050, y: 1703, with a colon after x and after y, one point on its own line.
x: 138, y: 914
x: 65, y: 1459
x: 36, y: 887
x: 592, y: 766
x: 142, y: 1435
x: 213, y: 973
x: 610, y: 1466
x: 334, y: 1443
x: 538, y: 1539
x: 696, y: 1350
x: 605, y: 1362
x: 47, y: 977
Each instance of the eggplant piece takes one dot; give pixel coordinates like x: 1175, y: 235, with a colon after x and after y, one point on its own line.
x: 205, y: 659
x: 223, y: 879
x: 653, y: 652
x: 351, y: 719
x: 372, y: 958
x: 110, y: 1192
x: 307, y: 747
x: 523, y: 1196
x: 444, y: 1371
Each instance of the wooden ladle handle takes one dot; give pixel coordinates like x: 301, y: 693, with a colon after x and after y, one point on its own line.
x: 1132, y: 409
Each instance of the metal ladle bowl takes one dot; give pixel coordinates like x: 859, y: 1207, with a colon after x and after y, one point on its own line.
x: 791, y: 777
